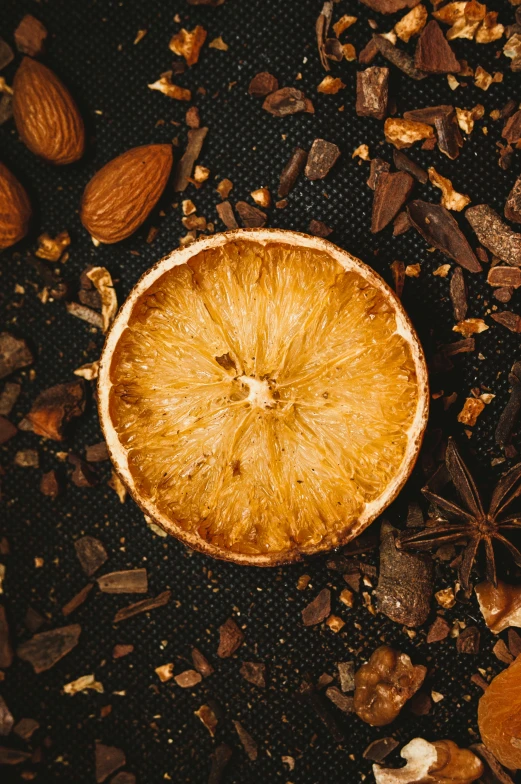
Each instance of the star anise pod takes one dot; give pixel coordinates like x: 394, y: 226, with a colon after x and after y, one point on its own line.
x: 467, y: 522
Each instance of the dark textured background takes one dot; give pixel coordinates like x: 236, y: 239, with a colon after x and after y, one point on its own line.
x: 91, y: 48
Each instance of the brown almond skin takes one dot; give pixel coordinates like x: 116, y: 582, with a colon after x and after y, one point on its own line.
x: 15, y: 209
x: 46, y: 115
x: 120, y: 196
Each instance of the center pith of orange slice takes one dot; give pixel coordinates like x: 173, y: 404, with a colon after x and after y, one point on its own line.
x: 263, y: 398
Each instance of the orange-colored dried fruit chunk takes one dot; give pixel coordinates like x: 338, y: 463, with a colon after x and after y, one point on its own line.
x: 499, y: 716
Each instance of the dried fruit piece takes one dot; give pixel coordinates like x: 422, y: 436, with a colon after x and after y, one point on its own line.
x: 438, y: 228
x: 372, y: 92
x: 321, y: 158
x: 450, y: 198
x: 391, y: 193
x: 188, y: 44
x: 500, y: 605
x: 384, y: 684
x: 164, y: 85
x: 404, y: 133
x: 440, y: 762
x: 46, y: 115
x: 499, y: 716
x: 54, y: 408
x: 121, y: 195
x: 495, y: 235
x: 30, y: 36
x: 44, y: 650
x: 263, y: 84
x: 433, y: 52
x: 15, y: 209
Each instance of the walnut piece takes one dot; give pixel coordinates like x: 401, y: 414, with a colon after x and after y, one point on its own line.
x: 500, y: 605
x: 440, y: 762
x: 384, y: 684
x: 403, y: 133
x: 450, y: 198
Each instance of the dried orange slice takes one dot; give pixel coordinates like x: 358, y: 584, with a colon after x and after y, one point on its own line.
x: 263, y: 395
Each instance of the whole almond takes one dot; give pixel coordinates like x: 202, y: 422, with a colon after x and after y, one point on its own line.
x: 46, y: 115
x: 15, y: 209
x: 121, y: 195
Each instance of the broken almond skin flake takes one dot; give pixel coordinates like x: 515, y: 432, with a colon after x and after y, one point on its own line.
x: 330, y: 85
x: 431, y: 763
x: 471, y: 326
x: 500, y: 605
x: 450, y: 198
x: 188, y: 44
x: 471, y: 410
x: 404, y: 133
x: 412, y: 23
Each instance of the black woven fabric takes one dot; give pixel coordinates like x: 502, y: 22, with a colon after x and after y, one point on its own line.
x: 91, y: 48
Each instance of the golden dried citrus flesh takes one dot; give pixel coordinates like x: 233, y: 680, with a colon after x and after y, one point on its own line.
x: 499, y: 716
x: 263, y: 395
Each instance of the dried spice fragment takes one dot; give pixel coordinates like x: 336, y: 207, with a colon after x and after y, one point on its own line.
x: 207, y: 715
x: 377, y: 167
x: 468, y: 641
x: 404, y: 133
x: 287, y: 100
x: 471, y: 326
x: 391, y: 193
x: 319, y: 228
x: 502, y: 653
x: 128, y: 581
x: 439, y: 229
x: 495, y: 235
x: 8, y: 397
x: 83, y: 475
x: 321, y: 158
x: 514, y: 643
x: 185, y: 166
x: 499, y: 716
x: 188, y: 679
x: 6, y: 54
x: 121, y: 650
x: 6, y: 651
x: 85, y: 314
x: 433, y: 52
x: 439, y: 630
x: 188, y: 44
x: 330, y: 85
x: 54, y: 408
x: 467, y: 117
x: 506, y: 318
x: 30, y: 36
x: 384, y: 684
x: 254, y: 672
x: 399, y: 58
x: 307, y: 693
x: 342, y: 701
x: 230, y: 639
x: 77, y: 600
x: 251, y: 217
x: 225, y: 213
x: 107, y: 760
x: 53, y: 248
x: 44, y: 650
x: 368, y: 53
x: 405, y: 583
x: 6, y: 718
x: 91, y: 554
x: 97, y: 453
x: 263, y: 84
x: 318, y: 609
x: 403, y: 163
x: 13, y: 756
x: 249, y: 745
x: 224, y: 188
x: 513, y: 203
x: 165, y: 85
x: 25, y: 728
x: 83, y: 683
x: 401, y: 224
x: 483, y: 79
x: 432, y: 763
x: 450, y: 198
x: 201, y: 663
x: 512, y: 129
x: 500, y: 605
x: 372, y: 92
x: 379, y: 749
x: 510, y: 415
x: 145, y: 605
x: 102, y: 280
x: 504, y: 276
x: 458, y: 294
x: 220, y: 759
x: 321, y: 29
x: 14, y: 354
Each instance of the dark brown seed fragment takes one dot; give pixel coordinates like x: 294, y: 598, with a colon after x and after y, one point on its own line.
x: 513, y: 203
x: 6, y: 718
x: 401, y: 224
x: 186, y: 163
x: 7, y: 430
x: 398, y: 57
x: 291, y: 171
x: 30, y: 36
x: 263, y: 84
x: 458, y: 294
x: 504, y: 276
x: 6, y: 54
x: 225, y: 213
x: 107, y: 760
x: 287, y: 100
x: 121, y: 650
x: 44, y: 650
x: 251, y: 217
x: 403, y: 163
x: 230, y: 639
x: 25, y: 728
x: 438, y: 631
x: 6, y: 651
x: 13, y: 756
x: 438, y: 228
x: 392, y: 191
x: 372, y: 92
x: 319, y: 228
x: 54, y: 408
x: 434, y: 53
x: 254, y: 672
x: 377, y: 167
x: 143, y: 606
x: 390, y: 6
x: 91, y: 554
x: 220, y: 759
x: 514, y: 643
x: 97, y: 453
x: 14, y: 354
x: 128, y: 581
x: 201, y: 663
x: 468, y: 641
x: 318, y: 609
x: 502, y: 653
x: 249, y: 745
x: 509, y: 417
x: 405, y: 586
x: 322, y: 157
x: 83, y: 475
x: 308, y: 693
x: 342, y: 701
x: 421, y: 704
x: 494, y: 773
x: 494, y: 234
x: 512, y: 130
x: 379, y: 749
x: 506, y: 153
x: 508, y: 319
x: 77, y: 600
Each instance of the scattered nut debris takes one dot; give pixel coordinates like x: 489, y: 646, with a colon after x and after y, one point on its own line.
x: 404, y: 133
x: 230, y: 639
x: 165, y: 85
x: 254, y: 672
x: 450, y: 198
